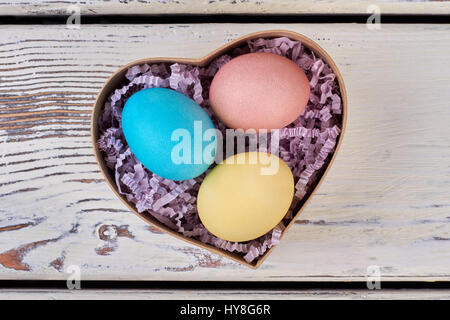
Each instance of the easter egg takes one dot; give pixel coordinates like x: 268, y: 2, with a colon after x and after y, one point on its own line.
x: 259, y: 91
x: 245, y: 196
x: 169, y: 133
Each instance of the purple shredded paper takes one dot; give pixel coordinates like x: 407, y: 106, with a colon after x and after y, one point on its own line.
x: 306, y: 145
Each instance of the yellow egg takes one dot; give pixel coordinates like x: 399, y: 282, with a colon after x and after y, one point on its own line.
x: 245, y: 196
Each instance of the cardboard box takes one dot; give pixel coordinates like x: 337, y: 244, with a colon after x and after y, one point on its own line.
x: 118, y: 78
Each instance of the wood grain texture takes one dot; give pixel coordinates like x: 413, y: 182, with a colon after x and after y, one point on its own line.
x: 158, y: 294
x: 385, y: 201
x: 98, y: 7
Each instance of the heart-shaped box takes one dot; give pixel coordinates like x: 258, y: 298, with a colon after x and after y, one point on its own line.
x: 118, y: 77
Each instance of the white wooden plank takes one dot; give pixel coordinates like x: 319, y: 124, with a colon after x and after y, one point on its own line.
x: 159, y: 294
x: 97, y: 7
x: 385, y: 202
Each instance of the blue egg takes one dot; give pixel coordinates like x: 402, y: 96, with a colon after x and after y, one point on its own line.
x: 169, y: 133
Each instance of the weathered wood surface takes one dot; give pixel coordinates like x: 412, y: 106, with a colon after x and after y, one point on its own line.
x: 385, y: 202
x: 98, y: 7
x: 158, y: 294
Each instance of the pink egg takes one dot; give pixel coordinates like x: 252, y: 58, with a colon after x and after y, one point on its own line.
x: 259, y: 91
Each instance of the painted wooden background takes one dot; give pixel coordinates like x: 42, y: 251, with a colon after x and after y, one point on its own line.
x: 93, y: 7
x: 385, y: 202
